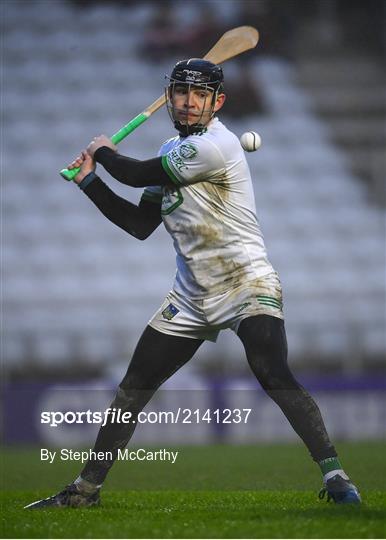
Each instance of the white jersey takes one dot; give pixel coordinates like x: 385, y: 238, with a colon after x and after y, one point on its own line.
x: 210, y: 213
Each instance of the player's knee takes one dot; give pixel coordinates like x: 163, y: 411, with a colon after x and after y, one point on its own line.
x: 271, y: 370
x: 283, y: 382
x: 132, y: 381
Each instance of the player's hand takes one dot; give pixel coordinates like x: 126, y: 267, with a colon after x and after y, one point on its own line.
x: 86, y: 164
x: 98, y: 142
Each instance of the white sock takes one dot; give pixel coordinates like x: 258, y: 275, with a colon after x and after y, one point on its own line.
x: 86, y: 487
x: 333, y: 473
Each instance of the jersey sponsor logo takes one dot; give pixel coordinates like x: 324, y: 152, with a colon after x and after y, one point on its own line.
x: 176, y: 160
x: 172, y: 198
x: 187, y: 151
x: 169, y: 312
x: 178, y: 155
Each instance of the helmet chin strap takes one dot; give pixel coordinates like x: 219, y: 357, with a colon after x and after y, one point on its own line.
x: 186, y: 129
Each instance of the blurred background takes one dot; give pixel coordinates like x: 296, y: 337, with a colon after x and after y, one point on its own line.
x: 77, y: 291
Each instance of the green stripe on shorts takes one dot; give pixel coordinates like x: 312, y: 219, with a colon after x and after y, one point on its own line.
x: 269, y: 301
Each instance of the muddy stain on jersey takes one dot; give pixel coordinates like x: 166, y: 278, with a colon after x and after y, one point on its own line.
x: 214, y: 194
x: 219, y: 192
x: 214, y: 267
x: 231, y: 273
x: 206, y: 235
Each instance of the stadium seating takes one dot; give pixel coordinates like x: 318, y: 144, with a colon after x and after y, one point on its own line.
x: 75, y: 285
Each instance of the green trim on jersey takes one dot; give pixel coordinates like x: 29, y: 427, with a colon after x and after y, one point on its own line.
x: 152, y: 197
x: 169, y: 172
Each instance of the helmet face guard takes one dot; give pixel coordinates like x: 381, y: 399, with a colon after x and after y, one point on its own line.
x: 191, y: 75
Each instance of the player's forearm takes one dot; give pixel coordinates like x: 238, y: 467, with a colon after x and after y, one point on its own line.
x: 139, y: 221
x: 131, y: 171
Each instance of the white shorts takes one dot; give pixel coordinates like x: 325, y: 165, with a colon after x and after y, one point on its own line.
x: 203, y: 319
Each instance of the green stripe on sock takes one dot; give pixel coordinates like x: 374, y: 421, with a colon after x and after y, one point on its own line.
x: 329, y: 464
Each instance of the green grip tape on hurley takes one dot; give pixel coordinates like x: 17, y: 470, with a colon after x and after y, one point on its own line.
x: 115, y: 139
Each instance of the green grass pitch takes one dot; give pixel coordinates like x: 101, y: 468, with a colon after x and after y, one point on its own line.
x: 261, y: 491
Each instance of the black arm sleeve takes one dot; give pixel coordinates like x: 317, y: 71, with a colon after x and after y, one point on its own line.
x: 139, y: 221
x: 131, y: 171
